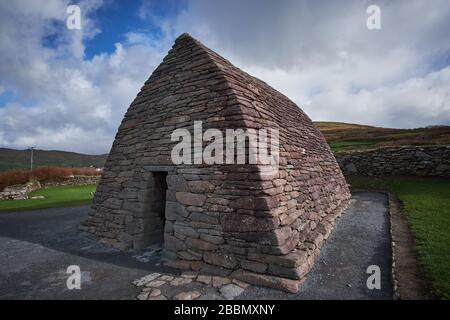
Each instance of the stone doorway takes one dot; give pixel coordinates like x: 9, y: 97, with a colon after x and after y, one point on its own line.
x: 159, y: 198
x: 154, y: 213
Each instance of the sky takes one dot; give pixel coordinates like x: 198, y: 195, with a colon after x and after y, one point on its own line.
x: 63, y: 89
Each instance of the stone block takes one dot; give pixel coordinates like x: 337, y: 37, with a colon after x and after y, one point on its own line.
x: 278, y: 283
x: 254, y: 266
x: 247, y: 223
x: 254, y: 203
x: 175, y: 211
x: 176, y: 182
x: 200, y: 244
x: 220, y: 259
x: 173, y: 244
x: 200, y: 186
x: 212, y: 239
x: 185, y: 230
x: 190, y: 199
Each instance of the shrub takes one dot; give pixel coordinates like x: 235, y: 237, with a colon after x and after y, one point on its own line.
x: 47, y: 174
x: 85, y: 172
x: 43, y: 174
x: 13, y: 177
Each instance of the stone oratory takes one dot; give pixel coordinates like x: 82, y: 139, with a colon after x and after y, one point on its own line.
x: 227, y: 219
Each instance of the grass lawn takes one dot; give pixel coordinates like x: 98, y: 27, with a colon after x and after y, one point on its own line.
x: 61, y: 196
x: 427, y: 203
x: 350, y: 145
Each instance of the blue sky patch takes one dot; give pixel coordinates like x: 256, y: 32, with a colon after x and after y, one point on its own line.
x: 122, y: 17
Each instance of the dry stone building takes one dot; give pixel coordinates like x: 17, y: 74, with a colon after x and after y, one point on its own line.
x: 228, y: 219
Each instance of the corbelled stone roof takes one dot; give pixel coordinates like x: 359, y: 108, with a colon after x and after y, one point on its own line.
x: 227, y: 219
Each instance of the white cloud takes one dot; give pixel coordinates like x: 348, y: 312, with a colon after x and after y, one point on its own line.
x: 77, y: 103
x: 323, y: 57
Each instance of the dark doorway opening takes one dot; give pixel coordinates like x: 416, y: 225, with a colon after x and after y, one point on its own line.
x: 159, y: 198
x: 154, y: 212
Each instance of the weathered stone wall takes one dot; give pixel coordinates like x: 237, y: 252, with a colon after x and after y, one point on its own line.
x: 408, y: 160
x: 74, y: 181
x: 18, y: 192
x: 219, y: 218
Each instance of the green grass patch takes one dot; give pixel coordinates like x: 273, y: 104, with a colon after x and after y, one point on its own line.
x: 350, y: 145
x: 59, y: 196
x: 427, y: 203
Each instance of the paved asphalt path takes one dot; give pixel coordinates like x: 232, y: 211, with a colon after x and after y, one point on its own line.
x: 36, y: 247
x: 360, y: 238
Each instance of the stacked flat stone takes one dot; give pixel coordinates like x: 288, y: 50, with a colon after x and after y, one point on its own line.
x: 405, y: 160
x: 229, y: 220
x: 19, y: 191
x: 73, y: 181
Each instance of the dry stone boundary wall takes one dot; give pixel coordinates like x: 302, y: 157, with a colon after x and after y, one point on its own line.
x: 21, y: 191
x: 407, y: 160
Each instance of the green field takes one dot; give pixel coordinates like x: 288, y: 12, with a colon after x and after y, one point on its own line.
x: 63, y: 196
x: 427, y: 203
x: 350, y: 145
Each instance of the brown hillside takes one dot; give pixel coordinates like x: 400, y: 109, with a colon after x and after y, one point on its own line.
x: 349, y: 136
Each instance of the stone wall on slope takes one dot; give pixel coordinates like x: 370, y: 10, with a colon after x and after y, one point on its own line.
x: 408, y: 160
x: 19, y: 192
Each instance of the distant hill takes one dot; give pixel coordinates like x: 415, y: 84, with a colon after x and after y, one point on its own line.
x: 20, y: 159
x: 348, y: 136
